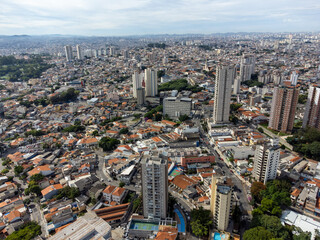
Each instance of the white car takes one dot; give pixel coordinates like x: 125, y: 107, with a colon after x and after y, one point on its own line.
x: 30, y: 210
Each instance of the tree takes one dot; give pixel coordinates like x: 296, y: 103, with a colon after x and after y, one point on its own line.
x: 108, y: 144
x: 256, y: 189
x: 184, y: 118
x: 95, y: 133
x: 4, y: 171
x: 68, y: 192
x: 124, y: 131
x: 37, y: 177
x: 158, y: 117
x: 199, y: 229
x: 121, y: 184
x: 27, y: 232
x: 18, y: 170
x: 257, y: 233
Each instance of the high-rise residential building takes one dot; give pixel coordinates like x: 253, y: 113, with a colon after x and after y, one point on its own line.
x: 175, y: 107
x: 79, y: 52
x: 151, y: 82
x: 311, y: 116
x: 141, y: 97
x: 236, y: 85
x: 154, y: 186
x: 283, y: 108
x: 224, y: 78
x: 247, y: 65
x: 266, y: 161
x: 221, y: 201
x: 112, y: 51
x: 69, y: 54
x: 125, y: 53
x: 137, y: 79
x: 294, y: 78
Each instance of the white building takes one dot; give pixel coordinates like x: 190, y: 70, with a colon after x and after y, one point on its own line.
x: 151, y: 82
x: 175, y: 107
x: 79, y: 52
x: 68, y: 51
x: 222, y: 94
x: 266, y: 161
x: 154, y: 186
x: 247, y: 65
x: 294, y: 78
x: 137, y: 79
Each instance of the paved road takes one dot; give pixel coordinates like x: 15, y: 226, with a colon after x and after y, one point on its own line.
x: 37, y: 216
x: 242, y: 196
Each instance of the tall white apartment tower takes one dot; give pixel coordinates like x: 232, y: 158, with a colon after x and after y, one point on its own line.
x: 294, y: 78
x: 151, y: 82
x: 266, y: 161
x: 137, y: 79
x: 236, y: 85
x: 154, y: 187
x: 79, y: 52
x: 221, y: 202
x: 247, y: 65
x: 68, y: 51
x: 224, y: 78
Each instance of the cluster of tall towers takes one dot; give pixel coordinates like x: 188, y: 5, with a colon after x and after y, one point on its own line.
x: 145, y: 84
x: 69, y: 52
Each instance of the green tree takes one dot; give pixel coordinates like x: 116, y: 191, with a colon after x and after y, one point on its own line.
x: 257, y: 233
x: 18, y: 170
x: 124, y: 131
x: 121, y: 184
x: 199, y: 229
x: 68, y: 192
x: 108, y: 144
x: 27, y: 232
x: 5, y: 171
x: 183, y: 118
x: 37, y: 177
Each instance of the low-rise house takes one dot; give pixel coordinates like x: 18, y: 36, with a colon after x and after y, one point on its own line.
x: 50, y: 191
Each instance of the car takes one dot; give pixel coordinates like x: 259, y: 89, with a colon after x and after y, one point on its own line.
x: 30, y: 210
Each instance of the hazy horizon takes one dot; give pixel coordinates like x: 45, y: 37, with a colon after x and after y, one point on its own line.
x: 151, y: 17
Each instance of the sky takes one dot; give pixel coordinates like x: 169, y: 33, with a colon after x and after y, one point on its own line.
x: 139, y: 17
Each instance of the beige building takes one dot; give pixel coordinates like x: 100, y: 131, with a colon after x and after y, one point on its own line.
x: 221, y: 202
x: 312, y: 113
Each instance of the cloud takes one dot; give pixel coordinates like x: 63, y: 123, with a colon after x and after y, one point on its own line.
x: 123, y: 17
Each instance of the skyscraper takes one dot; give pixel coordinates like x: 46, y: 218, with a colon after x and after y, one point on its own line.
x: 221, y: 202
x: 137, y: 79
x: 69, y: 54
x: 236, y: 85
x: 312, y: 112
x: 266, y: 161
x: 224, y: 78
x: 151, y: 81
x: 294, y: 78
x: 79, y: 52
x: 154, y: 186
x: 247, y: 65
x: 141, y: 97
x: 283, y: 108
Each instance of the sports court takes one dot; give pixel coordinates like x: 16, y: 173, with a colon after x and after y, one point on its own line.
x: 144, y: 226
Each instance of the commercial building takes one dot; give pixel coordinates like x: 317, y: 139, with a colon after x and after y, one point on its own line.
x: 87, y: 227
x: 266, y: 161
x: 283, y: 108
x: 221, y: 202
x: 312, y: 113
x: 151, y: 82
x: 175, y: 107
x: 222, y: 94
x: 192, y: 160
x: 68, y: 51
x: 154, y: 187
